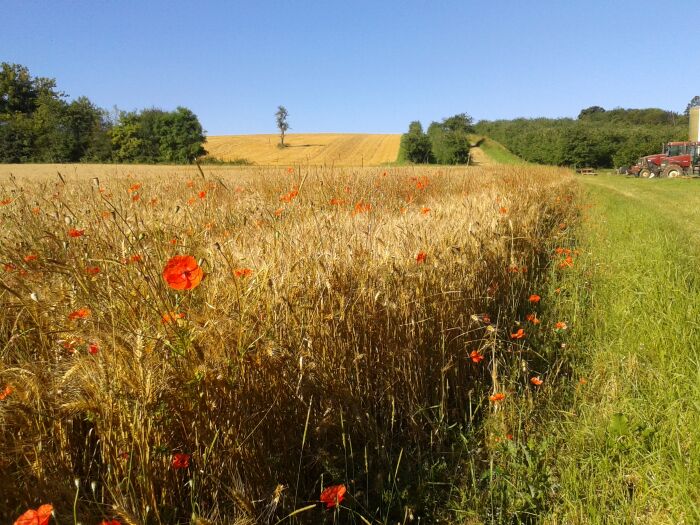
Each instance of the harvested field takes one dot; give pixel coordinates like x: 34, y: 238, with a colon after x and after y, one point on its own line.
x: 331, y: 341
x: 330, y: 149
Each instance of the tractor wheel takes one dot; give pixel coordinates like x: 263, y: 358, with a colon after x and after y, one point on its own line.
x: 672, y: 171
x: 646, y: 173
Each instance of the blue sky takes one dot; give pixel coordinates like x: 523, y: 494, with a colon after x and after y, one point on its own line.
x: 358, y: 66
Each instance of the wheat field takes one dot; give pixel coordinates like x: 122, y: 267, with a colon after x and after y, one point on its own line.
x: 330, y: 343
x: 330, y: 149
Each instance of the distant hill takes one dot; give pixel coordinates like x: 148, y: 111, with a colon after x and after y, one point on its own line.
x: 339, y: 149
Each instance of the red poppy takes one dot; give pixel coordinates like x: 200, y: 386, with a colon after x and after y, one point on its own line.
x: 135, y: 258
x: 362, y: 207
x: 332, y: 496
x: 561, y: 325
x: 171, y: 317
x: 476, y: 357
x: 181, y: 460
x: 536, y: 381
x: 191, y: 201
x: 40, y: 516
x: 81, y: 313
x: 425, y: 211
x: 112, y: 522
x: 420, y: 258
x: 31, y: 257
x: 202, y: 194
x: 567, y: 263
x: 290, y: 170
x: 533, y: 318
x: 5, y: 202
x: 289, y: 197
x: 6, y: 392
x: 498, y: 396
x: 242, y: 272
x: 520, y: 334
x: 182, y: 272
x: 134, y: 187
x: 73, y: 232
x: 93, y: 348
x: 9, y: 267
x: 337, y: 202
x: 503, y: 210
x: 534, y: 298
x: 36, y: 210
x: 92, y: 270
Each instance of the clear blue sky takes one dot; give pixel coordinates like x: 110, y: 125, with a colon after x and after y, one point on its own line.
x: 359, y: 66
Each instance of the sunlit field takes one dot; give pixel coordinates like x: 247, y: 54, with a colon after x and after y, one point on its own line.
x: 332, y: 328
x: 329, y: 149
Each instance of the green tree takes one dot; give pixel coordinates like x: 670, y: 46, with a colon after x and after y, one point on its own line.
x: 416, y: 144
x: 695, y: 101
x: 282, y: 124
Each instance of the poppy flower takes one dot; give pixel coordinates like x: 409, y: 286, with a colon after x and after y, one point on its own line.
x: 289, y: 197
x: 520, y: 334
x: 476, y: 357
x: 567, y: 263
x: 513, y: 268
x: 171, y: 317
x: 135, y: 258
x: 337, y: 202
x: 73, y: 232
x: 5, y: 202
x: 202, y: 194
x: 136, y: 198
x: 81, y: 313
x: 536, y: 381
x: 425, y: 211
x: 93, y: 348
x: 498, y: 396
x: 278, y: 212
x: 533, y: 318
x: 6, y: 392
x: 534, y: 298
x: 561, y: 325
x: 191, y: 201
x: 31, y: 257
x: 362, y: 207
x: 242, y: 272
x: 180, y: 460
x: 9, y: 267
x: 92, y: 270
x: 40, y: 516
x: 112, y: 522
x: 332, y: 496
x: 290, y: 170
x: 503, y: 210
x: 182, y: 272
x: 420, y: 258
x: 134, y: 187
x: 36, y: 210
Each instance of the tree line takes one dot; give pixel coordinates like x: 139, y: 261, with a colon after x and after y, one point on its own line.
x: 445, y: 142
x: 596, y: 138
x: 39, y: 124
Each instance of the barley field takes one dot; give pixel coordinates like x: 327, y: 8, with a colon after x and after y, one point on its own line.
x: 226, y: 346
x: 328, y: 149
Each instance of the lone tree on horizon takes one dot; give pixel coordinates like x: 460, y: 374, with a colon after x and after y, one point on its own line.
x: 282, y: 123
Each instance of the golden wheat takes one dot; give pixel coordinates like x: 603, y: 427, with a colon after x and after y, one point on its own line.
x: 328, y: 343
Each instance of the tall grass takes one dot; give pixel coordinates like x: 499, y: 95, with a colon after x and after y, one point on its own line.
x: 339, y: 357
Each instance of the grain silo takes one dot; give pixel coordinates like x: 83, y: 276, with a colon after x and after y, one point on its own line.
x: 694, y: 124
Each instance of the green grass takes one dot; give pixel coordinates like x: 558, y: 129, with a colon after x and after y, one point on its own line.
x: 629, y: 450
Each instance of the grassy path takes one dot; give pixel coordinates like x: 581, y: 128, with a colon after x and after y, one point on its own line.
x: 630, y: 448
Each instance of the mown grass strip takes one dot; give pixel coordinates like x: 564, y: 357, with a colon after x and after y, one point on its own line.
x: 629, y: 450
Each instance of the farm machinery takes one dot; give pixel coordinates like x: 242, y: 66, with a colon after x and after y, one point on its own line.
x: 676, y: 158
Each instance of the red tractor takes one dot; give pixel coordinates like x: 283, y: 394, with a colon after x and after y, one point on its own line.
x: 677, y: 158
x: 683, y: 158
